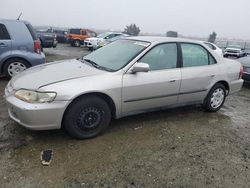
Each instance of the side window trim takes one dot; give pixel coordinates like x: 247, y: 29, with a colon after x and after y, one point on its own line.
x: 181, y: 55
x: 178, y: 63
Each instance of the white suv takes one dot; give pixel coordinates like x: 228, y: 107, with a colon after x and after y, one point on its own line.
x: 234, y: 50
x: 102, y: 39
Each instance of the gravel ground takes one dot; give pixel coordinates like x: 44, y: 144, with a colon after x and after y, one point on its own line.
x: 184, y: 147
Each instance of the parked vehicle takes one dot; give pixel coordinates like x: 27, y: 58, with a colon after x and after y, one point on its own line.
x: 245, y: 61
x: 76, y: 37
x: 47, y: 38
x: 234, y: 50
x: 19, y: 47
x: 102, y: 40
x: 61, y: 36
x: 215, y: 48
x: 126, y: 77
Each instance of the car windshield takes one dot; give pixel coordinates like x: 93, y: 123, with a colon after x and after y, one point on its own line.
x: 116, y: 55
x: 103, y: 35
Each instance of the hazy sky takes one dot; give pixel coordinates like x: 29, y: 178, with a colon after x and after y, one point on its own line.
x: 229, y: 18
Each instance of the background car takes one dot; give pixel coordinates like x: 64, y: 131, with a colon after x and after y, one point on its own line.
x: 245, y: 61
x: 47, y: 38
x: 102, y: 39
x: 76, y: 37
x: 234, y: 50
x: 126, y: 77
x: 215, y: 48
x: 19, y: 47
x: 61, y: 36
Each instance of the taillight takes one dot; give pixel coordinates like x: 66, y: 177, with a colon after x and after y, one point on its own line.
x: 241, y: 72
x: 37, y: 48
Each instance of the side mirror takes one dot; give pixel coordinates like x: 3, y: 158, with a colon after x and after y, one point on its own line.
x: 140, y: 67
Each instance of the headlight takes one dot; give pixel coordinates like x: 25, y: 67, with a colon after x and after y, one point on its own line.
x: 34, y: 96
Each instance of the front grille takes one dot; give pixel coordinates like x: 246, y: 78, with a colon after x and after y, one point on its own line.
x: 231, y: 51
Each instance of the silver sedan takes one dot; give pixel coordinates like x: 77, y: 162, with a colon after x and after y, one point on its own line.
x: 126, y: 77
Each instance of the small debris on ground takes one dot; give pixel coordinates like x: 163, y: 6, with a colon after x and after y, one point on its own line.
x: 136, y: 128
x: 46, y: 157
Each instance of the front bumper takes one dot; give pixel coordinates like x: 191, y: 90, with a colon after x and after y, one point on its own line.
x: 44, y: 116
x: 88, y: 44
x: 232, y: 54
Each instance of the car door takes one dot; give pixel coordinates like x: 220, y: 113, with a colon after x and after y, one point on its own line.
x: 198, y: 72
x: 157, y: 88
x: 5, y: 42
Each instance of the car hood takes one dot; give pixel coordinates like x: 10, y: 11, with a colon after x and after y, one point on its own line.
x: 46, y: 74
x: 233, y: 49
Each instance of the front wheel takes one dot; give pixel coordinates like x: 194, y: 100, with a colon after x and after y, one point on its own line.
x: 77, y: 43
x: 87, y: 117
x: 215, y: 98
x: 14, y: 66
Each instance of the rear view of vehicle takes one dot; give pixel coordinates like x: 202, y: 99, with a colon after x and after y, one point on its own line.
x: 19, y: 47
x: 245, y: 62
x: 47, y: 38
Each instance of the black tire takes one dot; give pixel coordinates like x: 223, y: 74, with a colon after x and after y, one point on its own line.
x: 207, y: 105
x: 12, y: 62
x: 41, y: 45
x: 87, y: 117
x: 77, y: 43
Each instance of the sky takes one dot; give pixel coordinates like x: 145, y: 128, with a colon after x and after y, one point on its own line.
x: 228, y: 18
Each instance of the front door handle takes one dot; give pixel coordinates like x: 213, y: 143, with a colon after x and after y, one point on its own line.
x: 173, y: 80
x: 212, y: 75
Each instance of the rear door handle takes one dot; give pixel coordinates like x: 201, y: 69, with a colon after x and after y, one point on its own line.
x: 173, y: 80
x: 212, y: 75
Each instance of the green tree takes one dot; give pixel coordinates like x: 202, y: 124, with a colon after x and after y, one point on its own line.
x: 132, y: 29
x: 212, y: 37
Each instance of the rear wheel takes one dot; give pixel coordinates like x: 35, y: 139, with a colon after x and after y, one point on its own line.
x: 215, y: 98
x: 87, y: 117
x: 14, y: 66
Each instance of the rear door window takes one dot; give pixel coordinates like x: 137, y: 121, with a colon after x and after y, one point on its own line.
x: 4, y: 35
x: 195, y: 55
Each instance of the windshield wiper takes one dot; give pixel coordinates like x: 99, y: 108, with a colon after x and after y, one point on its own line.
x: 94, y: 64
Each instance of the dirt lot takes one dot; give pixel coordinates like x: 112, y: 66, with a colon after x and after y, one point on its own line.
x: 183, y: 147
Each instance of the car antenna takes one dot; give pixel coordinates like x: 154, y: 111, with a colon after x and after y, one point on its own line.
x: 19, y: 16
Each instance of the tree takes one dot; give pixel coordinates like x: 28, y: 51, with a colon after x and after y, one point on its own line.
x: 172, y: 34
x: 132, y: 29
x: 212, y: 37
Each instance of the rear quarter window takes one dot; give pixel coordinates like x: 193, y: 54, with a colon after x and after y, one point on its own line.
x: 4, y: 35
x: 32, y: 31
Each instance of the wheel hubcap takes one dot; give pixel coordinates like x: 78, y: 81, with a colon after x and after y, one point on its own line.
x: 217, y: 98
x: 89, y: 118
x: 77, y: 43
x: 15, y: 68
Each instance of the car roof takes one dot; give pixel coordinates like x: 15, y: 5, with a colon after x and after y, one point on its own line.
x: 158, y: 39
x: 13, y: 20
